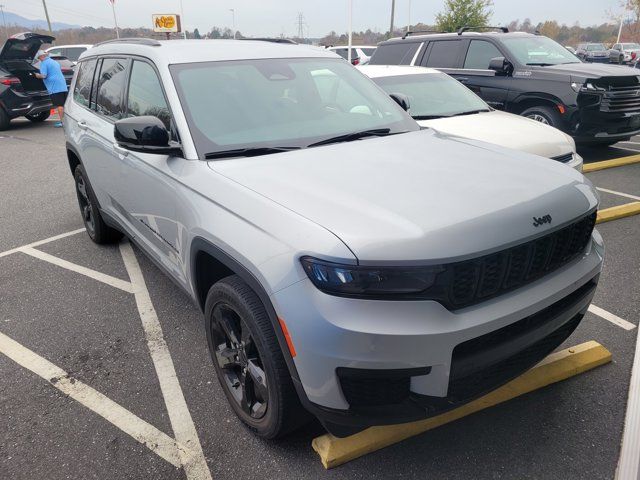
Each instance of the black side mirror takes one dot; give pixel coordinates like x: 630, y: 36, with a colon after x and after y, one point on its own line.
x: 145, y: 134
x: 402, y: 100
x: 500, y: 65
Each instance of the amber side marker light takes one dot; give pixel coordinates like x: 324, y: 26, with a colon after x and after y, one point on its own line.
x: 287, y: 337
x: 561, y: 109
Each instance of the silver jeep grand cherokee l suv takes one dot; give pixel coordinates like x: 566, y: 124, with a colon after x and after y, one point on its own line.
x: 341, y: 269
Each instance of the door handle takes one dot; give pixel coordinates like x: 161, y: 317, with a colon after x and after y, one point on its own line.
x: 120, y: 151
x: 82, y: 125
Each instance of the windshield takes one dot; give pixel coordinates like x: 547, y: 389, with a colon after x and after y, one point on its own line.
x: 595, y: 47
x: 433, y: 95
x: 284, y: 102
x: 538, y: 50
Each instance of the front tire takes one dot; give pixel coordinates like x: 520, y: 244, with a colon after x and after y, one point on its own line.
x: 38, y: 117
x: 98, y: 231
x: 543, y: 114
x: 248, y: 361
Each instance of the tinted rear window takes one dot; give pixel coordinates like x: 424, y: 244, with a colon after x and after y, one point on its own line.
x: 444, y: 54
x: 112, y: 80
x: 73, y: 53
x: 397, y: 53
x: 82, y: 89
x: 368, y: 51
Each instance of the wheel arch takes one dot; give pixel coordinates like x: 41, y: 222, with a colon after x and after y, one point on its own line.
x: 522, y: 103
x: 210, y: 264
x: 73, y: 157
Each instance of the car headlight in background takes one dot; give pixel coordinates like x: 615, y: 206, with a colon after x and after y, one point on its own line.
x: 369, y: 282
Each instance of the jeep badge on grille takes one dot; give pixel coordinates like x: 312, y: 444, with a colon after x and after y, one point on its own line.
x: 537, y: 221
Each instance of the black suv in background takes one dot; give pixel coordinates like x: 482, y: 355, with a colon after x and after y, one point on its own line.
x: 530, y: 75
x: 21, y: 93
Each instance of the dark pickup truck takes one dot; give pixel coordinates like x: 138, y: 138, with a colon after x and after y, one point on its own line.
x: 530, y: 75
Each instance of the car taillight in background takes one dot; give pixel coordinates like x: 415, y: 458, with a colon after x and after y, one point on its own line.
x: 10, y: 81
x: 67, y: 71
x: 633, y: 55
x: 355, y: 61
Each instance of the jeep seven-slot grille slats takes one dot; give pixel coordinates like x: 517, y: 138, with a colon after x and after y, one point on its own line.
x: 472, y: 281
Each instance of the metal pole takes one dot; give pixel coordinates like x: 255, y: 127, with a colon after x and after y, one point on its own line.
x: 6, y: 30
x: 46, y: 14
x: 393, y: 10
x: 115, y: 20
x: 620, y: 29
x: 233, y: 21
x: 184, y: 30
x: 409, y: 19
x: 350, y: 30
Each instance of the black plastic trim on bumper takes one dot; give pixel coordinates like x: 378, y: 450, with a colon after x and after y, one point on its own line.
x: 558, y: 321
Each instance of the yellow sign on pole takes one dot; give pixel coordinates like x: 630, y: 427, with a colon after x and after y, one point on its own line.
x: 166, y: 22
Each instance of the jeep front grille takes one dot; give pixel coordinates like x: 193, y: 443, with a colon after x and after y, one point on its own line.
x: 472, y: 281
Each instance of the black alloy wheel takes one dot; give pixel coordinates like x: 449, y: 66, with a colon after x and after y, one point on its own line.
x: 239, y: 361
x: 86, y: 208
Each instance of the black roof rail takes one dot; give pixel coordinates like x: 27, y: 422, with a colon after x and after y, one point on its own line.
x: 466, y: 29
x: 272, y: 40
x: 414, y: 32
x: 139, y: 40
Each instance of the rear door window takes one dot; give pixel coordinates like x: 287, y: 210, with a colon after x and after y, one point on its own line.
x: 73, y: 53
x: 443, y: 54
x: 82, y: 89
x: 479, y: 54
x: 145, y: 96
x: 400, y: 53
x: 111, y: 84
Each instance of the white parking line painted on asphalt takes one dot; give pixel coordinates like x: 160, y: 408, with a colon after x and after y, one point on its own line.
x: 602, y: 313
x: 621, y: 194
x: 629, y: 462
x: 148, y: 435
x: 195, y: 465
x: 41, y: 242
x: 99, y: 276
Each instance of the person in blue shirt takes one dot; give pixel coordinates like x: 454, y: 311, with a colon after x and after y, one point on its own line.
x: 51, y: 74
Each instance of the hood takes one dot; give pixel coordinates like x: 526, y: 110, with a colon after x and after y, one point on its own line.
x: 417, y: 197
x: 589, y: 70
x: 507, y: 130
x: 24, y: 46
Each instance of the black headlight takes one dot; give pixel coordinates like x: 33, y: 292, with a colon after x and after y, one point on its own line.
x: 371, y: 282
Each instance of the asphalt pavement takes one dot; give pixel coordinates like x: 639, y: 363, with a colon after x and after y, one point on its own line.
x: 93, y: 331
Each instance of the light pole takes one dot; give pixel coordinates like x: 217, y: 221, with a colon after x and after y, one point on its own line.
x: 46, y: 14
x: 393, y: 11
x: 409, y: 19
x: 350, y: 30
x: 115, y: 20
x: 233, y: 21
x: 6, y: 31
x: 184, y: 30
x: 620, y: 29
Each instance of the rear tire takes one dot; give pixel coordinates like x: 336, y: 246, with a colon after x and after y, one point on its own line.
x: 4, y: 120
x: 38, y: 117
x: 98, y: 231
x: 248, y: 361
x: 543, y: 114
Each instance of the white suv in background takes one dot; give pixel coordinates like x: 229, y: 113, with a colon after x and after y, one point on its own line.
x: 438, y: 101
x: 360, y: 54
x: 72, y: 52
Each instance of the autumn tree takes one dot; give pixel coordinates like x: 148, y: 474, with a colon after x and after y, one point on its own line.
x: 464, y: 13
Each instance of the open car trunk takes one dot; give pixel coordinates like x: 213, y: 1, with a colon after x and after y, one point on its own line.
x: 23, y: 71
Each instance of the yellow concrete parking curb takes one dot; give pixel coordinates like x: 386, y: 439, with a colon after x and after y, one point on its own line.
x: 556, y: 367
x: 620, y: 211
x: 616, y: 162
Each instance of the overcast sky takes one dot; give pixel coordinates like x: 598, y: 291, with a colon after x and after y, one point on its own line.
x: 273, y: 17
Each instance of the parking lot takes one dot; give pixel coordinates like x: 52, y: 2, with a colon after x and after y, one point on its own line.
x: 134, y: 381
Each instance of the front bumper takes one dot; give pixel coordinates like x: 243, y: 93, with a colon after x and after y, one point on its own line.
x: 353, y: 355
x: 590, y: 125
x: 597, y: 59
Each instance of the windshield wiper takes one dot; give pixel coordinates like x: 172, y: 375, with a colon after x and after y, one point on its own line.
x: 248, y: 152
x: 376, y: 132
x: 540, y: 64
x: 428, y: 117
x: 470, y: 112
x: 459, y: 114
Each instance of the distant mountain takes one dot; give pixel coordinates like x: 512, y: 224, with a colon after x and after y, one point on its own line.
x: 13, y: 19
